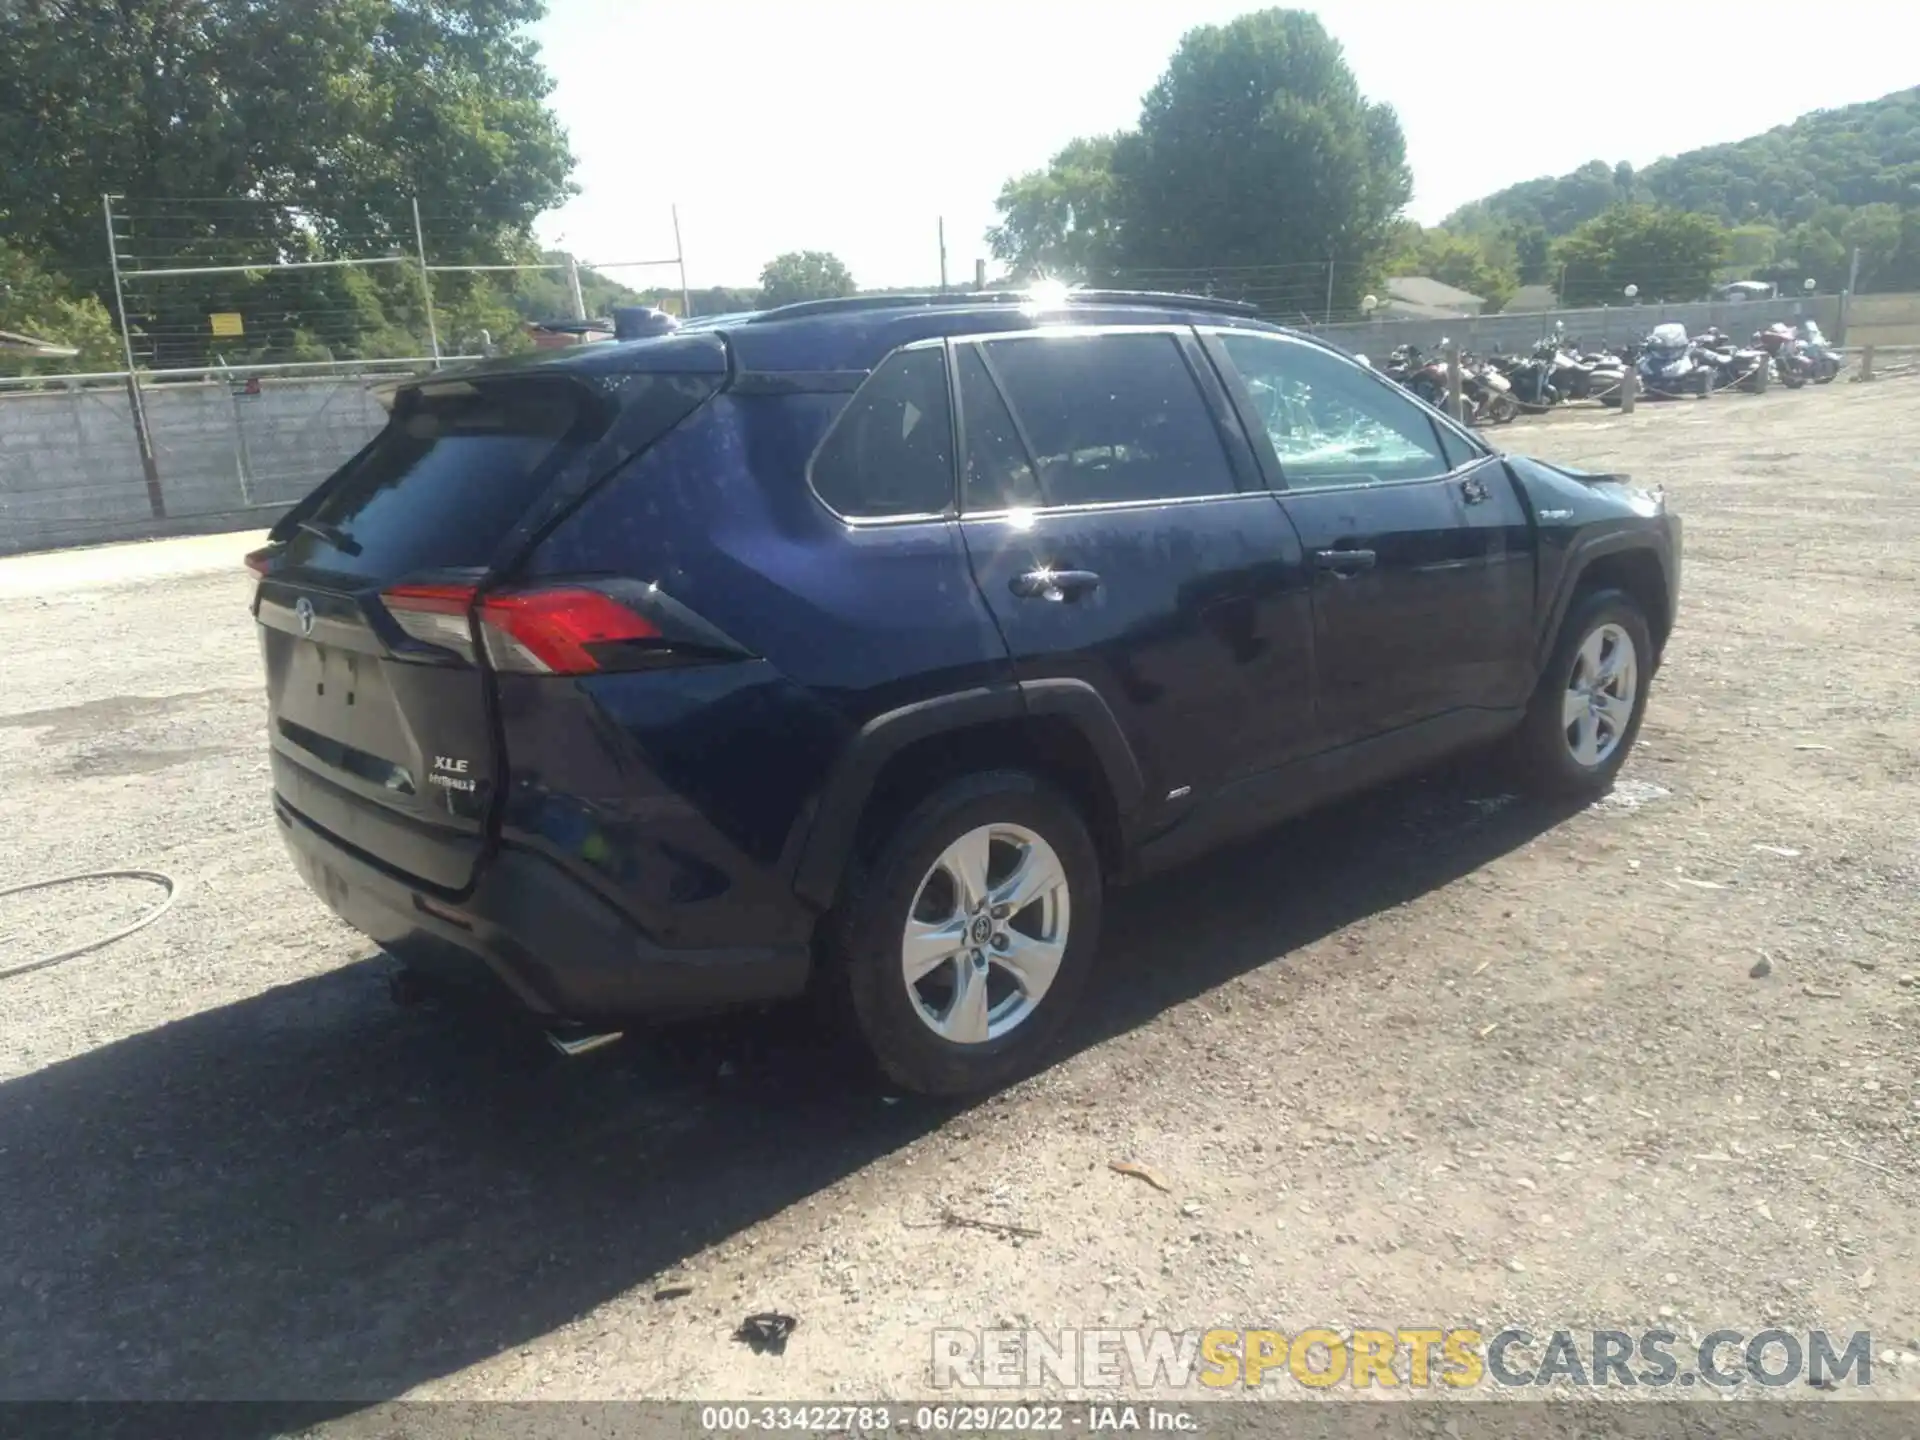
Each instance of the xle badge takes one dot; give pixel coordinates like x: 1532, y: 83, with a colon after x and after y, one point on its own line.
x: 450, y: 774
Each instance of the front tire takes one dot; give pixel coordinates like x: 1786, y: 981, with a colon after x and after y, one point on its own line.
x: 1586, y: 710
x: 966, y: 940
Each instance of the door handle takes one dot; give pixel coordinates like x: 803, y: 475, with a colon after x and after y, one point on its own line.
x: 1472, y: 490
x: 1055, y: 585
x: 1344, y: 562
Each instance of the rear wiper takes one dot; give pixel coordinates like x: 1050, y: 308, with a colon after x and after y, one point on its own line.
x: 332, y: 534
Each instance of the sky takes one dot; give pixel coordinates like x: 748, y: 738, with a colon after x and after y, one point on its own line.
x: 856, y: 127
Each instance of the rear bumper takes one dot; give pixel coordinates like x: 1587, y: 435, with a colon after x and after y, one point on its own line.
x: 560, y: 949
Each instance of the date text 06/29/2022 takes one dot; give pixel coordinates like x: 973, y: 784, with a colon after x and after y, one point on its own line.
x: 963, y: 1418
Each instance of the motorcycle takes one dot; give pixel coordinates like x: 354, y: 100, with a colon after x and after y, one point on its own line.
x: 1487, y: 394
x: 1427, y: 378
x: 1743, y: 367
x: 1791, y: 362
x: 1667, y: 367
x: 1825, y: 360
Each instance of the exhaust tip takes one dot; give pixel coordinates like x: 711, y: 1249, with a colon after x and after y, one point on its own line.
x: 575, y: 1041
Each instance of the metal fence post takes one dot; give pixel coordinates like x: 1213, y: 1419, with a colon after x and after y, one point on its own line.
x: 426, y: 283
x: 573, y: 288
x: 680, y: 258
x: 143, y: 437
x: 1454, y: 407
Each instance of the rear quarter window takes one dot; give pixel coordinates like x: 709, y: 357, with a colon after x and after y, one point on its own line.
x: 890, y: 452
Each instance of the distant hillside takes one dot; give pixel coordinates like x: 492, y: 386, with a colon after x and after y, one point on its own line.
x: 1867, y: 154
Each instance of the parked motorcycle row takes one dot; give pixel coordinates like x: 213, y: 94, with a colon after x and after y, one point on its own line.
x: 1668, y: 364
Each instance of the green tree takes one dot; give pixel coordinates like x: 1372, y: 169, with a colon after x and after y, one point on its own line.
x: 804, y: 275
x: 1532, y: 252
x: 1750, y: 247
x: 1060, y: 221
x: 345, y: 109
x: 35, y: 302
x: 545, y: 295
x: 1257, y: 156
x: 1876, y: 232
x: 1479, y: 264
x: 1668, y: 254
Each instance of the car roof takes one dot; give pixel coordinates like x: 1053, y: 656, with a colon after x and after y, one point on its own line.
x: 856, y: 333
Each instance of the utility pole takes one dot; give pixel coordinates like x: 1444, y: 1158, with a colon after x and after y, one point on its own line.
x: 680, y: 258
x: 426, y: 283
x: 943, y: 254
x: 156, y: 501
x: 573, y: 288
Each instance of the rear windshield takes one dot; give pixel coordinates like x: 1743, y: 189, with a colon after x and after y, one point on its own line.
x: 447, y: 479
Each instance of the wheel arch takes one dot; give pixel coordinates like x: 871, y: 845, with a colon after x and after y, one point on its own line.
x: 1623, y: 560
x: 1060, y: 730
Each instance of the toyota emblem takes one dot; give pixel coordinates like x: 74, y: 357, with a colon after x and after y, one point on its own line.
x: 303, y: 612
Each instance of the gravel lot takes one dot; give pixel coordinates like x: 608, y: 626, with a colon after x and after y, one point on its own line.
x: 1434, y: 1056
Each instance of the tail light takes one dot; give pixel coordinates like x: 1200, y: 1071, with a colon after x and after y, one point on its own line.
x: 260, y: 561
x: 559, y: 631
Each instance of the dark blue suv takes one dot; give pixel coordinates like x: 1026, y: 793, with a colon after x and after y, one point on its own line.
x: 864, y: 643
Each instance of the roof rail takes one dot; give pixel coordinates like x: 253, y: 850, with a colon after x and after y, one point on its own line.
x: 853, y: 304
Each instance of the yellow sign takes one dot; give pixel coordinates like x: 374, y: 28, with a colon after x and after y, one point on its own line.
x: 227, y: 323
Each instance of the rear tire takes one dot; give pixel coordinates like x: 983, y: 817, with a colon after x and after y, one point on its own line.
x: 1582, y: 721
x: 948, y: 879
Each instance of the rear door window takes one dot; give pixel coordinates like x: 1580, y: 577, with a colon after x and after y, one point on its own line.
x: 890, y: 451
x: 448, y: 478
x: 1112, y: 418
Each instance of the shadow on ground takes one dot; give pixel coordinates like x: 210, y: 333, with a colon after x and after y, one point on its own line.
x: 315, y: 1195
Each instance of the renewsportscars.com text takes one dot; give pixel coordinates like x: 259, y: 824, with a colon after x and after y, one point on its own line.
x: 1415, y: 1357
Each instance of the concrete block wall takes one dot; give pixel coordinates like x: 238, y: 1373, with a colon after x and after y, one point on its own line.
x: 70, y: 470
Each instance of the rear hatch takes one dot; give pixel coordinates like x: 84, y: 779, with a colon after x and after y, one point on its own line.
x: 379, y: 700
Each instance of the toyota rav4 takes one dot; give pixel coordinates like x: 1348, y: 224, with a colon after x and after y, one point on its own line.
x: 865, y: 643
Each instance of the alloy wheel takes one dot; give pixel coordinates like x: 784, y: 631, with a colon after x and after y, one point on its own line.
x: 986, y: 933
x: 1601, y: 690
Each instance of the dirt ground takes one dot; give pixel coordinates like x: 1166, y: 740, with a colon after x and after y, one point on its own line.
x: 1433, y: 1056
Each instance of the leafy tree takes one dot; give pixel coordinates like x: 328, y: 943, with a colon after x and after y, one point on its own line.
x: 804, y: 275
x: 1876, y: 232
x: 1256, y: 151
x: 1479, y: 264
x: 36, y: 302
x: 1532, y: 252
x: 1749, y: 247
x: 1061, y: 221
x: 347, y: 109
x: 545, y: 295
x: 1669, y: 254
